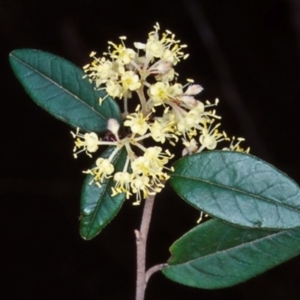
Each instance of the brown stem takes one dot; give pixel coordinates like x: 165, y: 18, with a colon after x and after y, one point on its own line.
x: 152, y: 270
x: 141, y: 241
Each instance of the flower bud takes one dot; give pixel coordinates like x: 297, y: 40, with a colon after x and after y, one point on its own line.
x: 113, y: 126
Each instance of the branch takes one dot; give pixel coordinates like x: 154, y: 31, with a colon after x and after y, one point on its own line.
x: 141, y: 241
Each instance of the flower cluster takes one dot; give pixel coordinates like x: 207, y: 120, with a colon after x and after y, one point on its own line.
x: 147, y: 72
x: 142, y: 175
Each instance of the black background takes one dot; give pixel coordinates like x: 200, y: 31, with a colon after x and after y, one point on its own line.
x: 244, y: 52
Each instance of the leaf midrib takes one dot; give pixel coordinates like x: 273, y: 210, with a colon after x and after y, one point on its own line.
x: 58, y: 85
x: 231, y: 189
x: 95, y: 212
x: 227, y: 249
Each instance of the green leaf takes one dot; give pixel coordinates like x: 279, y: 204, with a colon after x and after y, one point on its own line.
x: 98, y: 207
x: 217, y: 255
x: 57, y: 85
x: 238, y: 188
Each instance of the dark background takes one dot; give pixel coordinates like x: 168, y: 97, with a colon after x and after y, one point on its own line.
x: 244, y: 52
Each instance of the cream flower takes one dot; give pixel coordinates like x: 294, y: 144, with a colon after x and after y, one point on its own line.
x: 103, y: 170
x: 210, y: 137
x: 137, y: 122
x: 147, y: 72
x: 89, y: 142
x: 120, y: 53
x: 159, y: 92
x: 114, y: 89
x: 130, y: 81
x: 123, y: 180
x: 142, y: 188
x: 163, y: 129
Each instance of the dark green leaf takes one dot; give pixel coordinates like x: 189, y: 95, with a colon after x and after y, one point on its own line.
x: 57, y: 86
x: 238, y: 188
x: 217, y: 255
x: 98, y: 207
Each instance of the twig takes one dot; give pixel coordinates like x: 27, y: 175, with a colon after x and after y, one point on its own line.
x: 152, y: 270
x: 141, y: 241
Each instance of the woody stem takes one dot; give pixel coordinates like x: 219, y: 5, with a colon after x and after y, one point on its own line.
x: 141, y: 241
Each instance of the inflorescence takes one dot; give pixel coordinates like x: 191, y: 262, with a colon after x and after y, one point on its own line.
x: 147, y: 71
